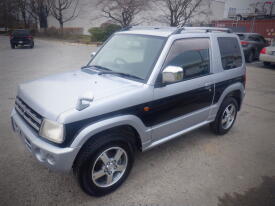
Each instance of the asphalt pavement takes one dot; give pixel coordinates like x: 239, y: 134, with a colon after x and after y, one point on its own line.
x: 197, y: 169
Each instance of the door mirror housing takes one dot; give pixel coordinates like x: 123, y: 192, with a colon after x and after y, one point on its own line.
x: 172, y: 74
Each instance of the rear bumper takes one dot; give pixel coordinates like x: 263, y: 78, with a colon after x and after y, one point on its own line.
x: 22, y: 42
x: 267, y: 58
x: 53, y: 157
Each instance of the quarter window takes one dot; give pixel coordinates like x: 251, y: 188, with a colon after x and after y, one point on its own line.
x: 230, y: 52
x: 192, y: 55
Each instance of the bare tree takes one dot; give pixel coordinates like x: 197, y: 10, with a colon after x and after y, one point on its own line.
x: 8, y: 13
x: 22, y: 9
x: 122, y: 12
x: 59, y: 7
x: 178, y: 12
x: 39, y: 11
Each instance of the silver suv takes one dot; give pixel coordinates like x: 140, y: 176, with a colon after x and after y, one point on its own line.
x: 143, y: 87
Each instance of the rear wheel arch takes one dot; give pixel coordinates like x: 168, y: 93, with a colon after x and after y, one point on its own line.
x: 237, y: 95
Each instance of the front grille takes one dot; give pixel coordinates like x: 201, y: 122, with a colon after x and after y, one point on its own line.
x: 28, y: 114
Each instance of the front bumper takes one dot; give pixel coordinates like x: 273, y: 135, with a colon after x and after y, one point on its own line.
x: 53, y: 157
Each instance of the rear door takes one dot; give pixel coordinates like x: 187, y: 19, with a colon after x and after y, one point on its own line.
x: 181, y: 105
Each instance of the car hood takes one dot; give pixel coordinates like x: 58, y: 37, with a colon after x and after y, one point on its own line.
x: 53, y: 95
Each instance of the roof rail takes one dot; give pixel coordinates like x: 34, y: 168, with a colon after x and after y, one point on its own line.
x: 128, y: 28
x: 206, y: 29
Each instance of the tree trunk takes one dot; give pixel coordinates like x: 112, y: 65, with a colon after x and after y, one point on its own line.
x: 61, y: 27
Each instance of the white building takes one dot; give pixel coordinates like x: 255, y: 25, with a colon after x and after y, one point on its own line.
x: 246, y: 8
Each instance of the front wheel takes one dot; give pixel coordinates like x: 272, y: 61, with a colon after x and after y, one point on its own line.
x: 226, y: 116
x: 104, y: 164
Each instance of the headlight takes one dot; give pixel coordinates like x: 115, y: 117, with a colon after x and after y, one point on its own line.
x: 52, y: 131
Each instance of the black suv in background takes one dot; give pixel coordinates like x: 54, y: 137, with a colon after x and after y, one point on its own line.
x: 21, y: 37
x: 252, y: 44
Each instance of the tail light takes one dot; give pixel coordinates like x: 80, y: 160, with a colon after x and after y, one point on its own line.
x: 263, y: 51
x: 244, y: 43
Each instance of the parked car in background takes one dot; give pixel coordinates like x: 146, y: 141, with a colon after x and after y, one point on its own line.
x: 252, y: 44
x: 21, y: 37
x: 267, y: 54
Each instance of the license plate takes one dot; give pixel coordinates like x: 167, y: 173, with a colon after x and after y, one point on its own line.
x: 20, y: 42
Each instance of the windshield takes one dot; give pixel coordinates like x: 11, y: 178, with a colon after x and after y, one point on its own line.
x: 129, y: 54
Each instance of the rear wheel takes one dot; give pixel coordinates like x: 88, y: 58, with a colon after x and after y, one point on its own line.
x: 12, y: 46
x: 32, y: 45
x: 104, y: 164
x: 267, y: 63
x: 226, y: 116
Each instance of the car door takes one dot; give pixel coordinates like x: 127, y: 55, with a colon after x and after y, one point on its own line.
x: 186, y: 103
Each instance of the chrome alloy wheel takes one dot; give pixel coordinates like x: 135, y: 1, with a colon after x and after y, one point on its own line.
x: 228, y: 116
x: 109, y: 167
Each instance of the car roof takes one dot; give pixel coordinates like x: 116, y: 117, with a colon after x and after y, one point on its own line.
x: 162, y: 32
x: 167, y: 31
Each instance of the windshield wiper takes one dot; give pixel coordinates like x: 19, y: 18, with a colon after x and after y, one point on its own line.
x: 96, y: 67
x: 101, y: 67
x: 120, y: 74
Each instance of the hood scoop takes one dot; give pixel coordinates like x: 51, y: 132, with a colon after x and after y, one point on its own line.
x: 84, y: 101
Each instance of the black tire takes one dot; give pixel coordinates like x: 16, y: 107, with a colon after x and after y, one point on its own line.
x: 90, y: 154
x: 250, y: 57
x: 12, y: 46
x: 217, y: 125
x: 267, y: 63
x: 32, y: 45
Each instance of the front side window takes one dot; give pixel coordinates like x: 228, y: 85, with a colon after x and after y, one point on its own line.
x: 130, y: 54
x: 230, y: 52
x: 192, y: 55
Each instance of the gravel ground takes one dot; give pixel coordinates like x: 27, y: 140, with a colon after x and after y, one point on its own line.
x: 196, y: 169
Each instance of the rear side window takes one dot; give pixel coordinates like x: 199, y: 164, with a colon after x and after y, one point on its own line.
x: 230, y: 52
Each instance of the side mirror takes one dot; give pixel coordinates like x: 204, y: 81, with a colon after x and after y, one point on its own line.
x: 93, y: 54
x: 172, y: 74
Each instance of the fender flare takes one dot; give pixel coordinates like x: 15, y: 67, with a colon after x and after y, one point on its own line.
x: 131, y: 120
x: 234, y: 87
